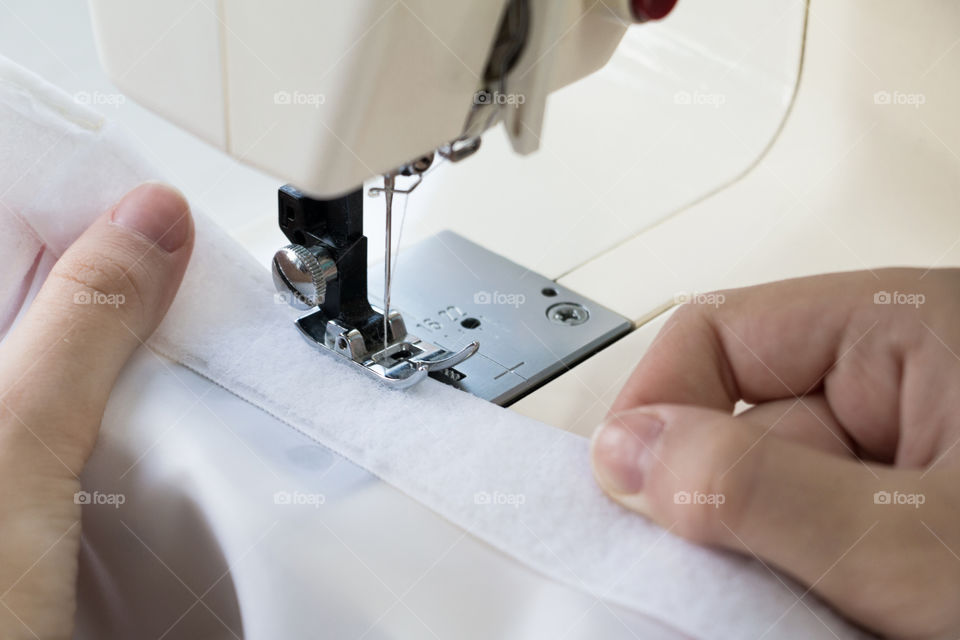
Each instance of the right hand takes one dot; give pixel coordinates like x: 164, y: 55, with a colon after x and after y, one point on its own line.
x: 846, y: 471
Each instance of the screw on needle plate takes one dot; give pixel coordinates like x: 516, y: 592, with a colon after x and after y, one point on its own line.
x: 568, y: 313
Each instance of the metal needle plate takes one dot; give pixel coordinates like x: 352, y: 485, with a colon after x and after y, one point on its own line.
x: 452, y: 292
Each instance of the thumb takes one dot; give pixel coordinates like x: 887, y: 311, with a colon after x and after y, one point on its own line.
x: 103, y: 298
x: 721, y: 480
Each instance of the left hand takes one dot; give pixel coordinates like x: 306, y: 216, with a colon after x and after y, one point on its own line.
x: 104, y: 297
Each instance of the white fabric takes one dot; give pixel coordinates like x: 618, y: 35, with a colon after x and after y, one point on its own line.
x: 61, y: 165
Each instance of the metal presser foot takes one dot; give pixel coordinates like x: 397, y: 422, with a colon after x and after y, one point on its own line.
x: 325, y: 269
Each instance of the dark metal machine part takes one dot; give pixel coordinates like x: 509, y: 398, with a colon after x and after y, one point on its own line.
x: 324, y: 271
x: 452, y: 291
x: 335, y: 225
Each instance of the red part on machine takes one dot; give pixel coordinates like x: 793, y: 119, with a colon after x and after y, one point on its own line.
x: 644, y: 10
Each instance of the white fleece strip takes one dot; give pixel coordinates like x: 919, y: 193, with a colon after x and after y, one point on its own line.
x: 445, y: 448
x: 440, y: 446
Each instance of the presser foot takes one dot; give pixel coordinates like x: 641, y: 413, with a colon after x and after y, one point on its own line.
x: 403, y: 362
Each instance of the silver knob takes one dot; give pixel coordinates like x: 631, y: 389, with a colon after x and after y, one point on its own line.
x: 303, y: 274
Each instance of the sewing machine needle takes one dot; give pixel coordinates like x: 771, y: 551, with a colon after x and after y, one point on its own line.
x: 388, y: 182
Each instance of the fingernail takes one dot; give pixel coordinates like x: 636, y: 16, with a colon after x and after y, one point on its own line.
x: 158, y: 212
x: 623, y: 451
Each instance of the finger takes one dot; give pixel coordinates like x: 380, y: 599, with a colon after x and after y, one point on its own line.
x: 760, y: 343
x: 809, y: 421
x: 786, y: 339
x: 104, y: 297
x: 713, y: 479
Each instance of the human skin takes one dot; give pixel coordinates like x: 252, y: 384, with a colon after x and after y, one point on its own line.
x: 843, y: 473
x: 852, y: 400
x: 57, y: 368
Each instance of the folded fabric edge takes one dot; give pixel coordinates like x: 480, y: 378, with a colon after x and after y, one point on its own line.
x: 425, y: 501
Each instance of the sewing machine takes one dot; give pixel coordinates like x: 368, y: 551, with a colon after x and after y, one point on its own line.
x: 824, y: 178
x: 328, y: 99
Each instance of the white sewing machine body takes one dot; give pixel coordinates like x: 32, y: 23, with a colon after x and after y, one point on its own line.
x: 328, y: 98
x: 771, y: 154
x: 327, y: 95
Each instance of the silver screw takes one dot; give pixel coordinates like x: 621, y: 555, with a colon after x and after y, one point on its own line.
x: 568, y: 313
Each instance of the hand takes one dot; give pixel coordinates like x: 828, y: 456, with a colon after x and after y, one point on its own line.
x: 844, y: 473
x: 104, y: 297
